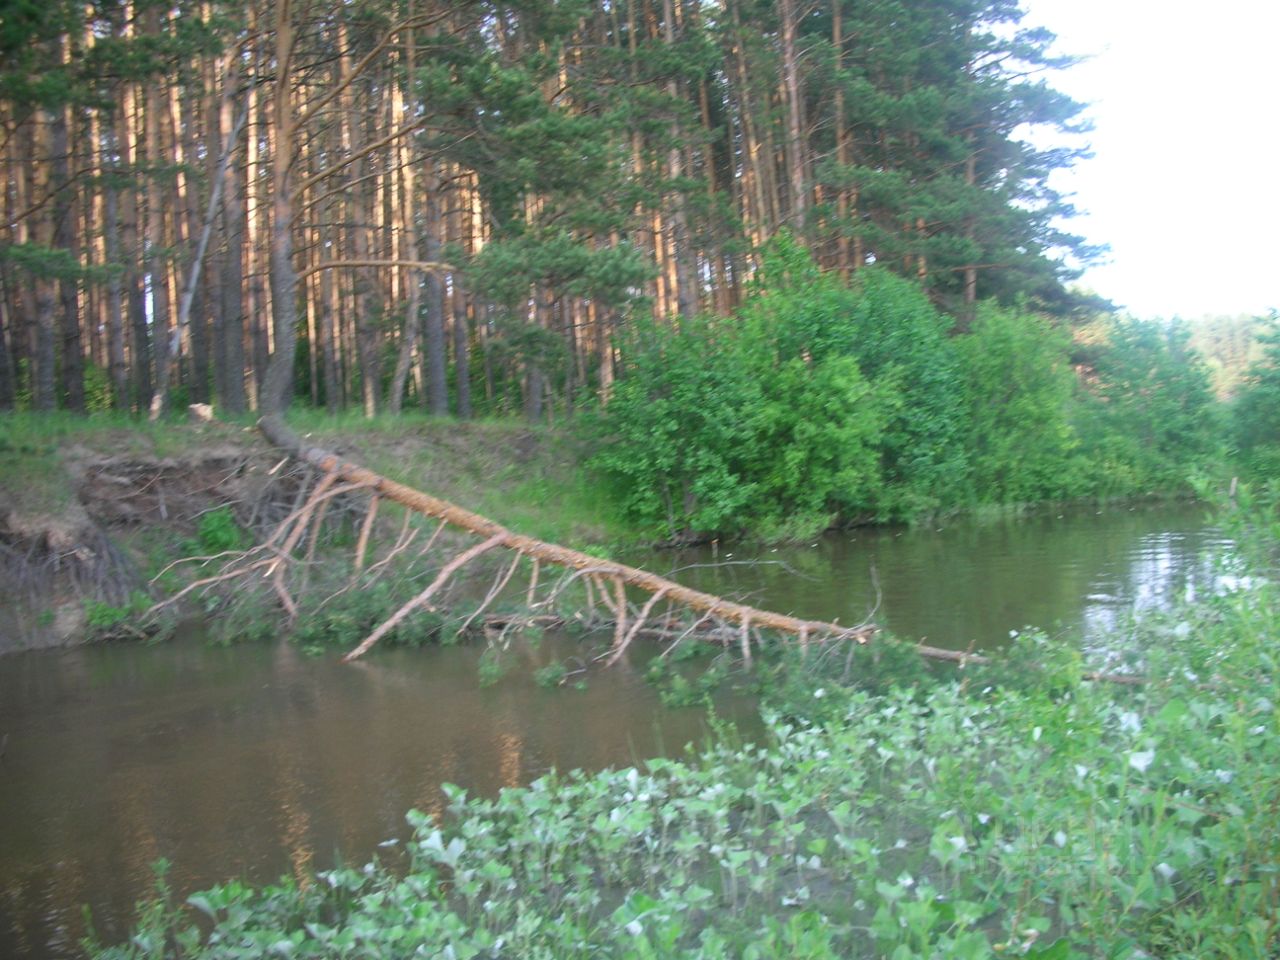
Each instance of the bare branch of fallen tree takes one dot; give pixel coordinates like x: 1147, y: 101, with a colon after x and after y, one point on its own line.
x: 443, y: 577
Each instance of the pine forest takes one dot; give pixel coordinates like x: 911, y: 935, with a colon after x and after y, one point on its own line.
x: 466, y: 207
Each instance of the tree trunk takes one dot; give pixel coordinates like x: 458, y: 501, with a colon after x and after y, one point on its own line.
x: 195, y: 322
x: 64, y: 238
x: 277, y: 386
x: 8, y: 386
x: 157, y: 261
x: 117, y: 369
x: 408, y: 343
x: 461, y: 349
x: 434, y: 348
x: 461, y: 327
x: 130, y: 252
x: 333, y: 393
x: 686, y: 291
x: 843, y: 226
x: 44, y: 288
x: 796, y: 145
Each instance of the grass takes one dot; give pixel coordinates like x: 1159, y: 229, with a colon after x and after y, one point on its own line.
x: 526, y: 477
x: 1007, y: 813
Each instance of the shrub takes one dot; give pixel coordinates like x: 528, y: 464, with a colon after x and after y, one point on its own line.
x: 1147, y: 417
x: 218, y: 531
x: 1256, y: 412
x: 1023, y: 445
x: 763, y: 422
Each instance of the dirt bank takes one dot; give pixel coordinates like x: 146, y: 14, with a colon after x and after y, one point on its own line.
x: 84, y: 517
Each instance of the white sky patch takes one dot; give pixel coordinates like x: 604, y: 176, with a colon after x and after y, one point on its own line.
x: 1185, y: 182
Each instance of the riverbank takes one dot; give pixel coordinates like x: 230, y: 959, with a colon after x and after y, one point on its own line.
x: 1011, y: 812
x: 92, y: 509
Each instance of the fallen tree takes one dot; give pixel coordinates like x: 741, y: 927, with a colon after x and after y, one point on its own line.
x: 610, y: 579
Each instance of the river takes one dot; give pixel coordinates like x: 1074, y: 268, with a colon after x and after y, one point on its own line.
x: 257, y: 761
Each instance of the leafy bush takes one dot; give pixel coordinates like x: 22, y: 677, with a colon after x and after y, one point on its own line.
x: 1256, y: 412
x: 552, y: 675
x: 105, y: 620
x: 762, y: 422
x: 1020, y: 384
x: 1147, y: 417
x: 901, y: 340
x: 347, y: 618
x: 674, y: 429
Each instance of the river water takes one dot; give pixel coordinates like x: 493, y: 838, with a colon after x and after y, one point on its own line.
x: 257, y: 761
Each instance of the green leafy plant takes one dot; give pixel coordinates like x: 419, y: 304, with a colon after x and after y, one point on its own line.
x: 106, y: 620
x: 491, y: 667
x: 1256, y: 411
x: 348, y: 617
x: 1020, y: 386
x: 1147, y: 417
x: 777, y: 434
x: 552, y: 675
x: 218, y: 531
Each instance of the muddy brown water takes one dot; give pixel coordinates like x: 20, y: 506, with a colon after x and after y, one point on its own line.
x: 258, y: 761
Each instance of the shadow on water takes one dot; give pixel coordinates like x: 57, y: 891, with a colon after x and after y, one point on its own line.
x: 257, y: 761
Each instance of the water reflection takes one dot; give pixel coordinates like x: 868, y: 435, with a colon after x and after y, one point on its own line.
x: 968, y: 584
x: 258, y: 762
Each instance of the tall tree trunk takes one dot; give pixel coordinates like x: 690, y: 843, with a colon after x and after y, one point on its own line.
x: 333, y: 395
x: 118, y: 370
x: 686, y: 292
x: 843, y: 263
x: 64, y: 238
x: 195, y: 299
x: 278, y: 383
x: 795, y: 145
x: 434, y: 347
x: 360, y: 218
x: 461, y: 350
x: 408, y: 343
x: 461, y: 327
x: 157, y: 261
x: 135, y: 297
x: 8, y: 383
x: 259, y: 181
x: 44, y: 394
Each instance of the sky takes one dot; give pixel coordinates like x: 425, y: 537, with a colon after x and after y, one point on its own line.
x: 1184, y: 185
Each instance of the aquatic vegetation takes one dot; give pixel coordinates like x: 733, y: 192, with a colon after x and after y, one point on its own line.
x: 969, y: 818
